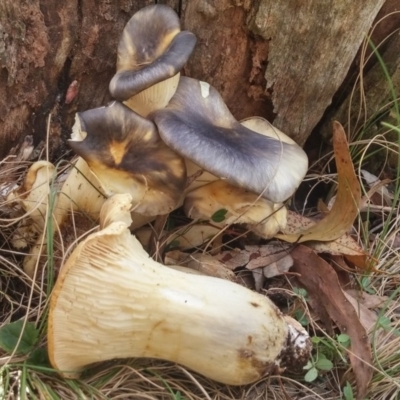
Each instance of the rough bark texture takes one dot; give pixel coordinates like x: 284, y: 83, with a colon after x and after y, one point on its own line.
x: 45, y: 46
x: 312, y: 47
x: 306, y: 52
x: 264, y: 57
x: 373, y: 97
x: 228, y: 56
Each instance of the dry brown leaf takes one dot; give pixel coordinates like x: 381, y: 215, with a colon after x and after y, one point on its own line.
x: 364, y: 261
x: 342, y: 245
x: 276, y: 268
x: 254, y: 256
x: 321, y: 283
x: 378, y: 193
x: 370, y: 301
x: 345, y: 209
x: 367, y: 317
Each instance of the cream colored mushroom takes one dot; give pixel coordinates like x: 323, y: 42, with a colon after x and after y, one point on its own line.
x: 112, y: 301
x: 242, y: 207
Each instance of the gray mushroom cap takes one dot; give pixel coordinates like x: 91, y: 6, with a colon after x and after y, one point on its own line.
x: 127, y: 155
x: 198, y: 125
x: 152, y: 49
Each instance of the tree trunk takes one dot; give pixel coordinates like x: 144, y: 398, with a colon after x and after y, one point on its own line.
x: 280, y: 60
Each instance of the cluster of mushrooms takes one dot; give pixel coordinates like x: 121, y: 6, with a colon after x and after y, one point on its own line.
x: 166, y: 141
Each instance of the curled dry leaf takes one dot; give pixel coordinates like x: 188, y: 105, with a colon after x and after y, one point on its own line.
x: 342, y: 245
x: 321, y: 283
x: 345, y: 209
x: 264, y: 261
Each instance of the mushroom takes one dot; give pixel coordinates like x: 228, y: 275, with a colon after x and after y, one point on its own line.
x: 33, y: 194
x: 33, y: 197
x: 151, y: 52
x: 111, y: 300
x: 263, y: 127
x: 198, y: 125
x: 120, y: 152
x: 126, y: 154
x: 197, y: 176
x: 242, y: 207
x: 79, y: 191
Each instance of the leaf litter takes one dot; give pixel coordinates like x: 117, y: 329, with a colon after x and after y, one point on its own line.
x: 330, y: 235
x: 346, y: 207
x: 321, y: 283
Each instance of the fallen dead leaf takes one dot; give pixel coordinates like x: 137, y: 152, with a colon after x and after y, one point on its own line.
x: 321, y: 283
x: 367, y: 317
x: 276, y: 268
x: 345, y: 209
x: 379, y: 193
x: 370, y: 301
x: 342, y: 245
x: 253, y: 257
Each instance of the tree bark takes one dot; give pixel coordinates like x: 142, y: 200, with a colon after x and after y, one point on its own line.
x: 45, y: 45
x: 280, y: 60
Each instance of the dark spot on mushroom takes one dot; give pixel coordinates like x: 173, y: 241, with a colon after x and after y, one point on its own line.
x: 260, y: 368
x: 254, y: 304
x: 245, y: 353
x: 249, y: 339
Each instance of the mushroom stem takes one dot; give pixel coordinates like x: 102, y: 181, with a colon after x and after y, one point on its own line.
x: 112, y: 300
x: 154, y: 97
x: 263, y: 217
x: 81, y: 191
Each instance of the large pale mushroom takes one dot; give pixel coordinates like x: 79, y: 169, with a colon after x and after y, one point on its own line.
x: 151, y: 52
x: 198, y: 125
x: 111, y: 300
x: 260, y: 166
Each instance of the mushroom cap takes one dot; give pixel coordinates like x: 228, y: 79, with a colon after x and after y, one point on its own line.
x: 263, y: 127
x: 126, y: 154
x: 198, y: 125
x: 152, y: 49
